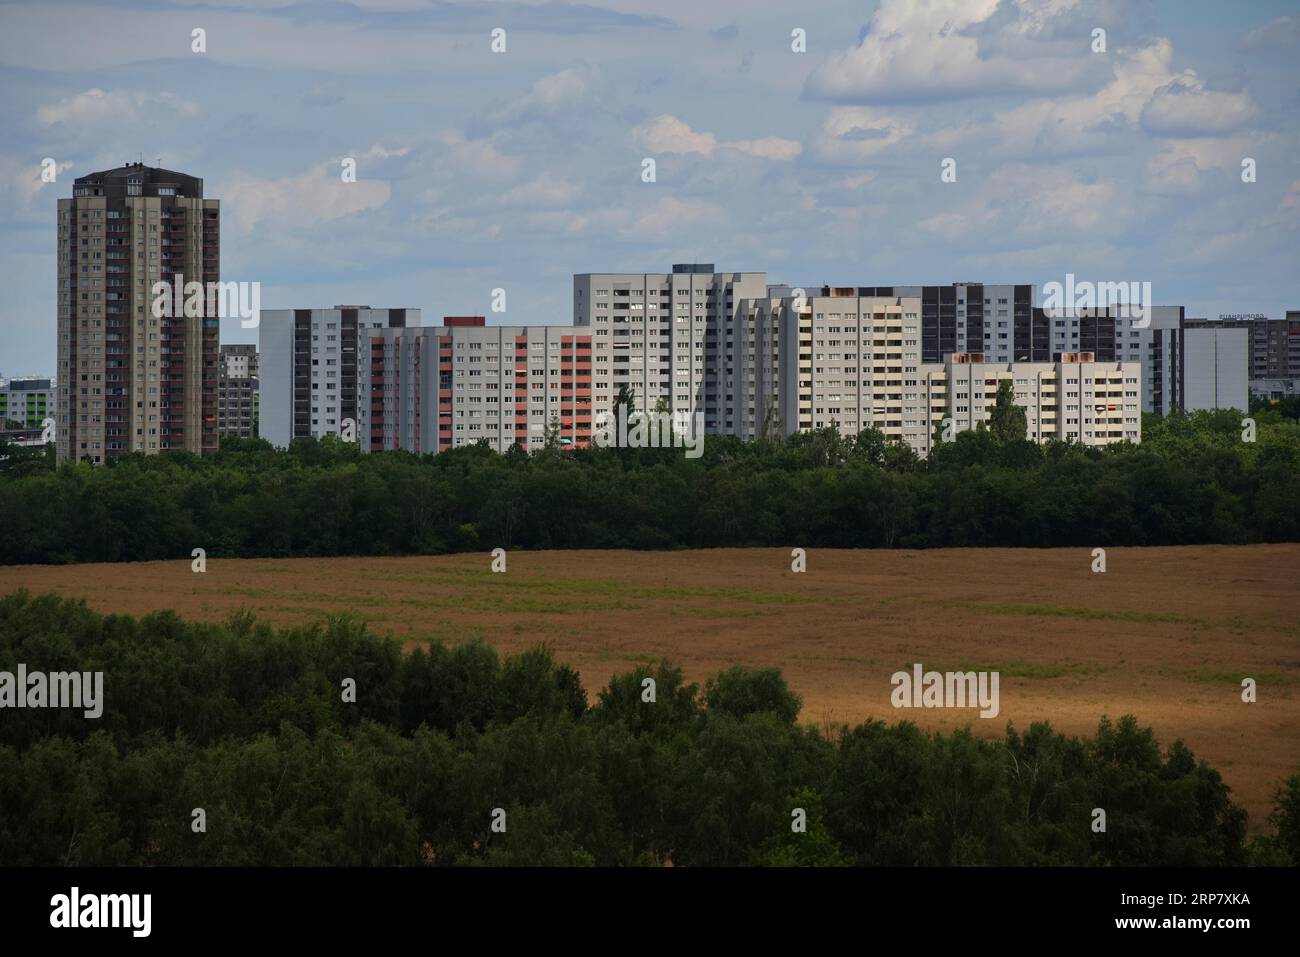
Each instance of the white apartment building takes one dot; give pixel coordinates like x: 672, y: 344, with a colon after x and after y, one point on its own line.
x: 307, y: 362
x: 1074, y: 400
x: 678, y: 337
x: 429, y: 389
x: 853, y: 361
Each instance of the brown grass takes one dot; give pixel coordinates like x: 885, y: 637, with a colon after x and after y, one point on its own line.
x: 1167, y: 634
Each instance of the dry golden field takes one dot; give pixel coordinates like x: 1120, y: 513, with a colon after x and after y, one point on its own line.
x: 1167, y: 634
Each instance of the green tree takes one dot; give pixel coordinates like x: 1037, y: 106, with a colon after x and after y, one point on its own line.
x: 1286, y: 817
x: 1007, y: 421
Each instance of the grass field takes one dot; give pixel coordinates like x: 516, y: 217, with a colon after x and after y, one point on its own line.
x: 1166, y: 634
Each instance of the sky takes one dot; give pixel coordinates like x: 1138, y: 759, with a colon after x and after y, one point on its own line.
x: 478, y: 170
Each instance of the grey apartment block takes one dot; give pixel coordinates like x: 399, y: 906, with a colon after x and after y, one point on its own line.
x: 1275, y: 388
x: 1209, y: 363
x: 1275, y: 347
x: 237, y: 391
x: 435, y: 388
x: 1005, y: 323
x: 852, y: 360
x: 308, y: 367
x: 397, y: 385
x: 1214, y: 365
x: 680, y: 338
x: 1074, y: 399
x: 847, y: 360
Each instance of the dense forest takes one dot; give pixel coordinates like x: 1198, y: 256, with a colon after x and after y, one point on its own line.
x: 1192, y: 480
x: 250, y: 725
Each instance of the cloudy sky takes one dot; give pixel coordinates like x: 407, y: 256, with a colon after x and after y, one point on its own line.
x: 478, y: 170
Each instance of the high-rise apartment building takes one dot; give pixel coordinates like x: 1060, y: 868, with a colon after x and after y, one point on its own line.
x: 1075, y: 399
x: 131, y: 381
x: 1275, y: 355
x: 1003, y: 323
x: 1275, y: 347
x: 307, y: 368
x: 1110, y: 336
x: 1214, y: 364
x: 430, y: 389
x: 846, y: 358
x: 237, y: 391
x: 851, y: 358
x: 26, y: 403
x: 678, y: 338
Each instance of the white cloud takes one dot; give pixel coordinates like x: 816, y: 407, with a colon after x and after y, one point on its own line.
x: 1278, y: 33
x: 856, y: 181
x: 668, y: 134
x: 1143, y: 94
x: 477, y: 158
x: 1183, y: 107
x: 1037, y: 17
x: 1179, y: 165
x: 855, y: 134
x: 770, y: 147
x: 544, y: 191
x: 1029, y: 201
x: 919, y: 49
x: 96, y: 105
x: 379, y: 151
x: 22, y: 180
x: 1075, y: 123
x: 318, y: 195
x: 671, y: 217
x: 552, y: 95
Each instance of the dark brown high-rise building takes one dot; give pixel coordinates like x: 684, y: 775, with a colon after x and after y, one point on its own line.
x: 237, y: 391
x: 1275, y: 347
x: 131, y: 381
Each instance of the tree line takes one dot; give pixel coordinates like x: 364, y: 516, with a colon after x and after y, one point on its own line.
x: 249, y: 725
x: 1192, y: 480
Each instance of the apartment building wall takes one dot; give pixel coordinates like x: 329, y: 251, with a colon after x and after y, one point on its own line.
x: 847, y: 360
x: 1275, y: 388
x: 757, y: 383
x: 1112, y: 337
x: 1275, y: 356
x: 677, y: 337
x: 1076, y: 400
x: 1214, y: 364
x: 1002, y: 322
x: 442, y: 387
x: 237, y: 390
x: 851, y: 361
x: 28, y: 402
x: 1274, y: 347
x: 130, y: 381
x: 308, y: 367
x: 397, y: 376
x: 1272, y: 360
x: 993, y: 319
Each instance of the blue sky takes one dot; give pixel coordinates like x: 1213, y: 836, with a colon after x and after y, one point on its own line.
x: 479, y: 170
